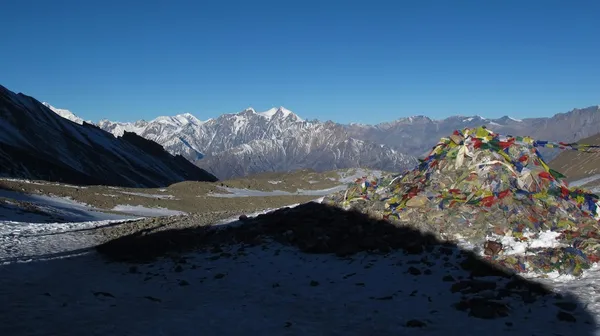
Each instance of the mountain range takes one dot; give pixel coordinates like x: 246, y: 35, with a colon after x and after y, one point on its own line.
x: 37, y: 143
x: 278, y: 140
x: 415, y: 135
x: 248, y: 142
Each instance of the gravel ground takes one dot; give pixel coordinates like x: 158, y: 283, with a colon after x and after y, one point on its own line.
x: 192, y: 198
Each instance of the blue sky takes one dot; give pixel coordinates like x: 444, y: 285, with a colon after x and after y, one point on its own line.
x: 348, y: 61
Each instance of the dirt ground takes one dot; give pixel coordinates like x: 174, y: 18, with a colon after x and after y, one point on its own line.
x: 192, y: 197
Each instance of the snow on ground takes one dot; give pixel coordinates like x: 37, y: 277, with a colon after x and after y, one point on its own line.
x: 47, y: 226
x: 233, y: 221
x: 510, y: 245
x: 271, y: 290
x: 141, y: 210
x: 40, y: 226
x: 43, y: 183
x: 586, y: 180
x: 67, y: 289
x: 67, y: 209
x: 21, y: 242
x: 157, y: 196
x: 238, y: 192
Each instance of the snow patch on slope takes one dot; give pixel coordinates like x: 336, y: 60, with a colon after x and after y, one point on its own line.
x: 238, y: 192
x: 68, y: 209
x: 141, y: 210
x: 270, y: 113
x: 65, y: 114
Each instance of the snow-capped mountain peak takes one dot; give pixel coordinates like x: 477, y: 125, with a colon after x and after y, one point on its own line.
x: 179, y: 120
x: 280, y: 112
x: 65, y: 114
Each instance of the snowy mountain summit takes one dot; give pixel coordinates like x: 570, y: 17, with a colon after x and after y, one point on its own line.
x: 65, y: 114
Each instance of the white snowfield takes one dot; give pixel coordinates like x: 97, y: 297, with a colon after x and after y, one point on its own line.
x: 590, y: 182
x: 68, y: 289
x: 140, y: 210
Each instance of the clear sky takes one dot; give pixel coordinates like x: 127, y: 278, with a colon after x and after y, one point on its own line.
x: 348, y: 61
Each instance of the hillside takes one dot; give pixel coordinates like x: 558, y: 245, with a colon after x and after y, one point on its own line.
x: 37, y: 143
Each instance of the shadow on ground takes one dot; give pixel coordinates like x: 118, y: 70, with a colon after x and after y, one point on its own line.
x: 480, y: 290
x: 309, y: 270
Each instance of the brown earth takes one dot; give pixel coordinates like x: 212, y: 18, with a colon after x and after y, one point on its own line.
x: 193, y: 197
x: 576, y: 165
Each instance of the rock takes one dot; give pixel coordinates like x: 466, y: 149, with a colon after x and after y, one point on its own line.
x: 448, y: 278
x: 152, y: 299
x: 415, y: 324
x: 473, y: 286
x: 492, y: 248
x: 483, y: 308
x: 565, y: 317
x: 106, y: 294
x: 243, y: 218
x: 417, y: 201
x: 346, y: 250
x: 568, y: 306
x: 480, y: 268
x: 414, y: 271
